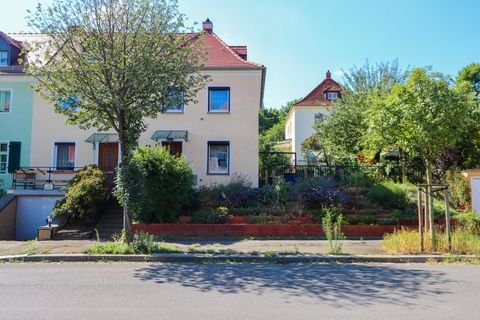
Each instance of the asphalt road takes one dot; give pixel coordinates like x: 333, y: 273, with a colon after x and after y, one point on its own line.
x: 238, y: 291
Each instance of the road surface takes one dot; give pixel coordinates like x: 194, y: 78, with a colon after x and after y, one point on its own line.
x: 238, y: 291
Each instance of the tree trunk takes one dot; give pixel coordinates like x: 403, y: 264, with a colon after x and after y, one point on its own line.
x: 428, y: 166
x: 121, y: 174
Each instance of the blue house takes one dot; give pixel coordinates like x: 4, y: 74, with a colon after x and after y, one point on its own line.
x: 16, y: 103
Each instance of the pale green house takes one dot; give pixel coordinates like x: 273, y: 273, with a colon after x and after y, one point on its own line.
x: 16, y: 103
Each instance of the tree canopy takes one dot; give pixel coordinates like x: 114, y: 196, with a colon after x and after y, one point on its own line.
x: 424, y: 117
x: 471, y: 74
x: 342, y: 132
x: 109, y: 64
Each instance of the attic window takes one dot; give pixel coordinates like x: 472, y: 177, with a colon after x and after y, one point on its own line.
x: 332, y: 95
x: 3, y: 58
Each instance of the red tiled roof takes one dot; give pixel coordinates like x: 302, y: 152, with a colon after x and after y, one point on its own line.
x: 317, y: 96
x: 220, y: 55
x: 240, y: 50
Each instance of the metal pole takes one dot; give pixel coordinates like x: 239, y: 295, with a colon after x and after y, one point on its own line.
x: 431, y: 218
x: 420, y: 218
x: 448, y: 227
x: 425, y: 216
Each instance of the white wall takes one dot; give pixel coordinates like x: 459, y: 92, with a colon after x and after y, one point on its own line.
x: 475, y: 183
x: 304, y: 119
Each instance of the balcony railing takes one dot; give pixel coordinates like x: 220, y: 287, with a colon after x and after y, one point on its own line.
x: 12, y: 69
x: 42, y: 178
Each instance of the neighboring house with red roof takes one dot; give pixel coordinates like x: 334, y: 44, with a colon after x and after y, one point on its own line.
x: 300, y: 121
x: 218, y: 135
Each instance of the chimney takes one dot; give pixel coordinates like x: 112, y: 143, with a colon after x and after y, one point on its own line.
x: 329, y: 75
x: 207, y: 26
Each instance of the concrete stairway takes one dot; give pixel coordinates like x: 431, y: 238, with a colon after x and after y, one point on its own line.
x: 111, y: 221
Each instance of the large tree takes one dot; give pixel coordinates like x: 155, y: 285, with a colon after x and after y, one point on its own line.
x: 424, y: 117
x: 110, y: 64
x: 342, y: 132
x: 471, y: 74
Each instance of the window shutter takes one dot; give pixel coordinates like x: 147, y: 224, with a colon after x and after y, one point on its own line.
x: 14, y: 156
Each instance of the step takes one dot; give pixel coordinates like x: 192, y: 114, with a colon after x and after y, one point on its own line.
x: 111, y: 218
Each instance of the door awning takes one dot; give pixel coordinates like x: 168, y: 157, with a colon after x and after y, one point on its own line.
x: 170, y: 135
x: 103, y: 138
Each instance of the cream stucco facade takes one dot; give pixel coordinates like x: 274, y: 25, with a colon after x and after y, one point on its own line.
x: 299, y: 125
x: 239, y: 128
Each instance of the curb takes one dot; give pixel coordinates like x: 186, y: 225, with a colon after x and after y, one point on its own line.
x: 205, y: 258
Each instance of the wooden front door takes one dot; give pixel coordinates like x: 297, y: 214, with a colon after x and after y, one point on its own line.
x: 174, y: 147
x: 108, y: 157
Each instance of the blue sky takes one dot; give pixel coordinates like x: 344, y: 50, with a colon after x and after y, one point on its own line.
x: 298, y: 40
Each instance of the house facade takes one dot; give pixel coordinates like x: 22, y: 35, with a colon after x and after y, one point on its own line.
x: 16, y: 105
x: 218, y: 135
x: 301, y: 119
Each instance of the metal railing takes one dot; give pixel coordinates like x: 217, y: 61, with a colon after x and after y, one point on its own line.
x: 42, y: 178
x: 344, y: 173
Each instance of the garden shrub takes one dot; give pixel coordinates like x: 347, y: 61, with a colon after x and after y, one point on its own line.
x: 275, y: 195
x: 332, y: 223
x: 245, y: 211
x: 160, y: 185
x: 320, y: 191
x: 234, y: 194
x: 360, y: 219
x: 358, y: 179
x: 459, y: 189
x: 389, y: 195
x: 142, y: 243
x: 468, y: 220
x: 84, y: 195
x: 210, y: 216
x: 260, y: 219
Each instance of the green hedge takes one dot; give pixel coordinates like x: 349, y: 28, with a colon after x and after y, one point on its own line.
x: 160, y: 184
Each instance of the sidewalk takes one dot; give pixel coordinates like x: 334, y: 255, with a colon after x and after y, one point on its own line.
x: 351, y: 247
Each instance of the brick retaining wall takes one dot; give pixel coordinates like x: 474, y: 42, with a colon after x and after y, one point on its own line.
x: 256, y: 230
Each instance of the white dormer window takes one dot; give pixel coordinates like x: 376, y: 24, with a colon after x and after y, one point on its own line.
x: 332, y: 95
x: 3, y: 58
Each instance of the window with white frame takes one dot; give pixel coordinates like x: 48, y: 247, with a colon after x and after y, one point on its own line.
x: 219, y: 99
x: 5, y: 100
x: 3, y: 58
x: 3, y: 157
x: 218, y: 157
x: 332, y: 95
x: 64, y: 155
x: 177, y: 99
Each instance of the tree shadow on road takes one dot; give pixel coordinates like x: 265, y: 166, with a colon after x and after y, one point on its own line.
x: 346, y: 286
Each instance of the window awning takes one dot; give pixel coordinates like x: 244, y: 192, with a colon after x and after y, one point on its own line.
x: 170, y: 134
x: 103, y: 138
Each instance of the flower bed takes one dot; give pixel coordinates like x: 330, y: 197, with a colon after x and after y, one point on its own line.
x: 257, y: 230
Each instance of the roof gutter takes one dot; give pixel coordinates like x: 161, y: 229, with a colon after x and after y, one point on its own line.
x: 233, y: 68
x: 264, y: 74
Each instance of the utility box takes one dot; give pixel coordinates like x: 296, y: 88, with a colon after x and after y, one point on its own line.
x: 45, y: 233
x: 473, y: 177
